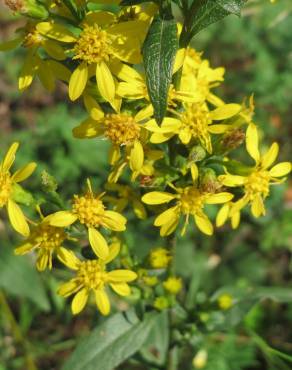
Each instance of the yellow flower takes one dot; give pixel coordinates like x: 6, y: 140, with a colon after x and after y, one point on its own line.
x: 257, y: 183
x: 225, y: 301
x: 161, y: 303
x: 47, y: 240
x: 198, y: 76
x: 173, y: 285
x: 90, y: 211
x: 101, y: 41
x: 200, y: 360
x: 190, y: 201
x: 195, y: 122
x: 122, y: 130
x: 150, y: 280
x: 7, y: 183
x: 159, y: 258
x: 32, y: 40
x: 91, y: 275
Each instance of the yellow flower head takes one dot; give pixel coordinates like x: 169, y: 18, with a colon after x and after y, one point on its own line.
x: 47, y: 240
x: 159, y: 258
x: 150, y: 280
x: 194, y: 123
x: 190, y: 201
x: 122, y: 129
x: 200, y: 360
x: 90, y: 211
x: 7, y: 183
x: 173, y: 285
x: 92, y: 275
x: 225, y: 301
x: 161, y: 303
x: 101, y: 42
x: 256, y: 184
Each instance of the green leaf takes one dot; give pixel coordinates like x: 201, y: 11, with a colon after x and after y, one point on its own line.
x: 159, y: 50
x: 111, y: 343
x: 206, y: 12
x: 19, y: 277
x: 156, y: 346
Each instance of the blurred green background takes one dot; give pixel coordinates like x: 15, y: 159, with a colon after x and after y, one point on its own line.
x: 37, y: 330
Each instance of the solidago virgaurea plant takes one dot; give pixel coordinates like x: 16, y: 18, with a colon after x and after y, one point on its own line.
x: 181, y: 159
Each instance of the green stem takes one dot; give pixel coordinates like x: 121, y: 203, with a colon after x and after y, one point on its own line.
x: 16, y: 332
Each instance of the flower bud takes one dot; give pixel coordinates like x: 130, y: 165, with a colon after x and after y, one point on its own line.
x: 49, y: 183
x: 197, y: 154
x: 209, y: 182
x: 232, y: 140
x: 200, y: 360
x: 30, y: 8
x: 225, y: 301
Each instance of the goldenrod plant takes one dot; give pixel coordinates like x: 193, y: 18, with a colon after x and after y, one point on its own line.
x: 173, y: 160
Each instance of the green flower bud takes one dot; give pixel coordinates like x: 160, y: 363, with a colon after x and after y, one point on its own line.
x: 197, y: 154
x: 30, y: 8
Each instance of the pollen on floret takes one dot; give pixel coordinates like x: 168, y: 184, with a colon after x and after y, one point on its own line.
x: 47, y: 236
x: 196, y: 119
x: 89, y: 209
x: 258, y: 183
x: 15, y: 5
x: 93, y: 45
x: 92, y: 274
x: 5, y: 188
x: 32, y: 37
x: 191, y: 200
x: 121, y: 129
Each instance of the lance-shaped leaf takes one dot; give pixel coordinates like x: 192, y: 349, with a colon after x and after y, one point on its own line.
x: 206, y: 12
x: 111, y: 343
x: 159, y: 50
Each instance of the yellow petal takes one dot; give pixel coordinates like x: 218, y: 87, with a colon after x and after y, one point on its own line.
x: 225, y: 111
x: 235, y: 220
x: 169, y: 227
x: 121, y: 276
x: 114, y: 221
x: 24, y: 172
x: 170, y: 124
x: 68, y: 258
x: 218, y: 129
x: 78, y: 81
x: 157, y: 197
x: 61, y: 218
x: 270, y: 156
x: 17, y: 218
x: 252, y: 142
x: 136, y: 156
x: 27, y: 72
x: 168, y: 216
x: 93, y: 107
x: 204, y: 224
x: 44, y: 260
x: 24, y: 248
x: 114, y: 154
x: 55, y: 31
x: 280, y: 169
x: 102, y: 302
x: 158, y: 138
x: 139, y: 209
x: 122, y: 289
x: 222, y: 215
x: 185, y: 136
x: 231, y: 180
x: 105, y: 82
x: 179, y: 60
x: 98, y: 243
x: 101, y: 18
x: 10, y: 157
x: 144, y: 113
x: 79, y: 301
x: 66, y: 289
x: 126, y: 73
x: 194, y: 171
x: 114, y: 250
x: 219, y: 198
x: 88, y: 129
x: 257, y: 206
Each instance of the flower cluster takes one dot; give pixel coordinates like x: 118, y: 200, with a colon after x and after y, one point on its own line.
x: 170, y: 171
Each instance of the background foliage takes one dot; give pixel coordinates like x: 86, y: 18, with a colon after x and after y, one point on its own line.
x: 37, y: 330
